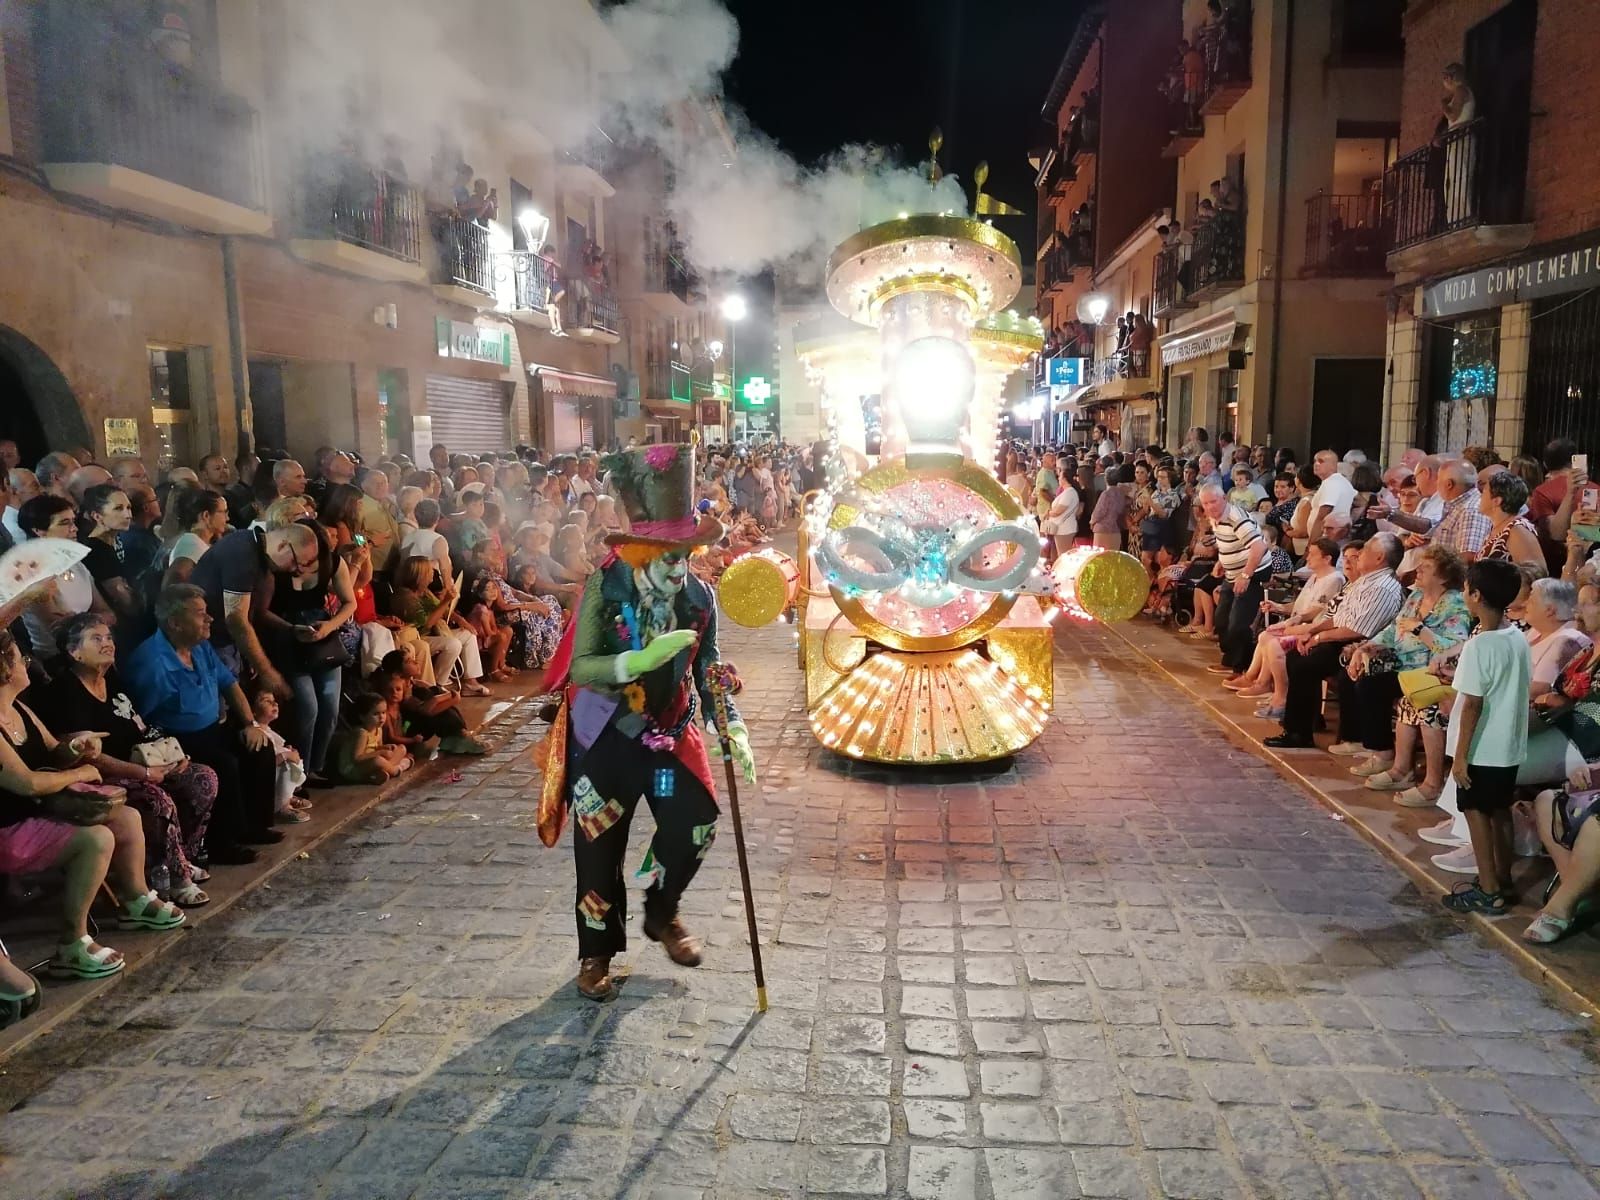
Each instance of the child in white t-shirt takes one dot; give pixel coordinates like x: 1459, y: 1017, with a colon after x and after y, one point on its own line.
x: 291, y: 776
x: 1488, y: 734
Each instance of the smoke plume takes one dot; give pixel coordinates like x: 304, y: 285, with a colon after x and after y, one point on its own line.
x: 352, y: 67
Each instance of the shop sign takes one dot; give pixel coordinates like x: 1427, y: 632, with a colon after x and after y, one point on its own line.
x: 1184, y: 348
x: 462, y: 339
x: 710, y: 412
x: 1571, y: 268
x: 1068, y: 372
x: 122, y: 437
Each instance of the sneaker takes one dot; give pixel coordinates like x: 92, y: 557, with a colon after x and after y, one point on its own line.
x: 1459, y: 861
x: 1220, y: 669
x: 1268, y: 712
x: 1471, y: 898
x: 1440, y: 834
x: 1347, y: 749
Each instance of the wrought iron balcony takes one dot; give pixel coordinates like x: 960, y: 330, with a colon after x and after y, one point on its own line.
x: 464, y: 259
x: 1344, y: 235
x: 590, y: 312
x: 1172, y: 280
x: 1124, y: 364
x: 1471, y: 181
x: 110, y: 104
x: 531, y: 278
x: 1218, y: 258
x: 369, y: 209
x: 668, y: 381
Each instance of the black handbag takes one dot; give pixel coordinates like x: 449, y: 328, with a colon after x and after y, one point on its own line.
x: 311, y: 658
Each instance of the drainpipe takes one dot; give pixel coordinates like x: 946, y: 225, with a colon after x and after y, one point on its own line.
x: 236, y: 354
x: 1283, y: 225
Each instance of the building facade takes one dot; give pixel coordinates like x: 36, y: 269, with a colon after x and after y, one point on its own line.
x: 197, y: 267
x: 1273, y: 299
x: 1494, y: 224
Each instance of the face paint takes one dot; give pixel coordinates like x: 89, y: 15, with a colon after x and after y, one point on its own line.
x: 667, y: 573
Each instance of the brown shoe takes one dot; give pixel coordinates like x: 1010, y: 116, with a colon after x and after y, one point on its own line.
x: 682, y: 947
x: 594, y: 979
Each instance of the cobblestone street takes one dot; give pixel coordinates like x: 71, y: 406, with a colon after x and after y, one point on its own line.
x: 1136, y: 963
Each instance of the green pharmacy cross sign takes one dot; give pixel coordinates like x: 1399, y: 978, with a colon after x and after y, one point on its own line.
x: 757, y: 391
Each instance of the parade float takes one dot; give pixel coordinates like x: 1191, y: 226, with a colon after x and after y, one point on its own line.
x: 924, y: 620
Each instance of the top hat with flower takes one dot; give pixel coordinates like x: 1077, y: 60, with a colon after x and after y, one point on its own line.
x: 655, y: 485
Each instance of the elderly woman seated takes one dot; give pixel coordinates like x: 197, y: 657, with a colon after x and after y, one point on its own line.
x: 1432, y: 624
x: 1266, y: 675
x: 53, y: 814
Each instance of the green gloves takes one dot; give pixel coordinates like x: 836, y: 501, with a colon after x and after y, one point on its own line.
x: 634, y: 663
x: 739, y: 744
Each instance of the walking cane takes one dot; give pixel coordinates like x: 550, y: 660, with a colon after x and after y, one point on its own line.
x: 718, y: 679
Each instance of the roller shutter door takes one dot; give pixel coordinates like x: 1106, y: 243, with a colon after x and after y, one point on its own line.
x: 566, y: 426
x: 471, y: 416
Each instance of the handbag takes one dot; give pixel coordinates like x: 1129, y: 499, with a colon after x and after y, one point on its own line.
x: 310, y: 658
x: 158, y: 752
x: 1424, y: 689
x: 105, y: 797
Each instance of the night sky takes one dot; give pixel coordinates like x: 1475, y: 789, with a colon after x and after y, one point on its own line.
x: 825, y: 73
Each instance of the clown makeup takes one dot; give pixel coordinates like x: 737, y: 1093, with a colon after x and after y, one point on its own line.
x: 666, y: 572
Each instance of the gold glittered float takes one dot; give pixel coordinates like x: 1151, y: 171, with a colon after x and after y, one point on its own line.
x: 919, y: 637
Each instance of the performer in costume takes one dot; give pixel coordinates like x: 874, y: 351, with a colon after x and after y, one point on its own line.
x: 644, y: 637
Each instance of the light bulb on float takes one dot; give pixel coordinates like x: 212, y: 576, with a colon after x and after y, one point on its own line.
x: 933, y: 382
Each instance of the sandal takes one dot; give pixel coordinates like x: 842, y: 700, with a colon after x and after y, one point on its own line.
x: 473, y: 688
x: 198, y: 875
x: 290, y: 816
x: 149, y: 911
x: 1469, y: 897
x: 1369, y: 767
x: 1388, y: 781
x: 1546, y: 929
x: 76, y: 961
x: 15, y: 1007
x: 189, y: 896
x: 1415, y: 797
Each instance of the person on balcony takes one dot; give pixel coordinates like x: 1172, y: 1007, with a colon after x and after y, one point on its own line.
x: 1194, y: 80
x: 1459, y: 107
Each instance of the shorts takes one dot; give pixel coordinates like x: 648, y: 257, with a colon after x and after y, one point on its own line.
x: 1492, y: 790
x: 33, y: 845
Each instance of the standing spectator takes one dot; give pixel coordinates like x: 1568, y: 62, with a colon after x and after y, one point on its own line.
x: 334, y: 468
x: 229, y: 577
x: 22, y: 486
x: 240, y: 494
x: 377, y: 523
x: 107, y: 515
x: 128, y: 472
x: 1110, y: 515
x: 52, y: 472
x: 215, y: 473
x: 1488, y: 734
x: 1045, y: 485
x: 140, y: 545
x: 179, y: 683
x: 1061, y: 521
x: 1331, y: 505
x: 1244, y: 568
x: 203, y: 518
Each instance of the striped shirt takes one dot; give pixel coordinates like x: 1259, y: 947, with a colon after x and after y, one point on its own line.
x: 1462, y: 528
x: 1236, y: 533
x: 1369, y: 604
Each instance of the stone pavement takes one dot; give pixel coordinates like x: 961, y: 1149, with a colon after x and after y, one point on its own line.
x: 1133, y: 963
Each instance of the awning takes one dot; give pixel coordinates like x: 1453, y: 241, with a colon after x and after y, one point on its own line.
x: 1209, y: 337
x: 573, y: 383
x: 1075, y: 399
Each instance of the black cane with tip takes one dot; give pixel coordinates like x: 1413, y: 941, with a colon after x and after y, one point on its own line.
x: 718, y: 679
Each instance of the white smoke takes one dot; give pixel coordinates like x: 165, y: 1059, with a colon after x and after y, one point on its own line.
x: 352, y: 67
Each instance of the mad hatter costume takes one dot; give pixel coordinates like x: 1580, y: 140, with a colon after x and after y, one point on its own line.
x: 645, y: 635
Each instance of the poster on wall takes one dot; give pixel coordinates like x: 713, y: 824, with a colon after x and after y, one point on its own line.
x: 122, y: 437
x: 421, y: 437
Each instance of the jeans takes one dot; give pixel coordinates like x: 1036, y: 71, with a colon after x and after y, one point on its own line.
x: 316, y: 707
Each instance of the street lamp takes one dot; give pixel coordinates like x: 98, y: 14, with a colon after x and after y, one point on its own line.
x: 734, y: 310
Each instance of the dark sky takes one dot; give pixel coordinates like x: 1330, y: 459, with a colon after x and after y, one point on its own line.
x: 824, y: 73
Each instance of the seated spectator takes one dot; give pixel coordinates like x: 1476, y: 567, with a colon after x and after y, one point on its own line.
x: 394, y: 690
x: 483, y: 593
x: 535, y: 622
x: 51, y: 516
x: 539, y: 574
x: 179, y: 683
x: 431, y: 711
x: 20, y: 993
x: 1364, y: 608
x: 1554, y: 638
x: 1267, y: 676
x: 606, y: 515
x: 426, y: 541
x: 408, y: 499
x: 359, y: 752
x: 284, y: 512
x: 375, y: 521
x: 203, y: 519
x: 567, y: 550
x: 53, y: 818
x: 377, y: 634
x: 174, y: 799
x: 435, y: 619
x: 1432, y: 622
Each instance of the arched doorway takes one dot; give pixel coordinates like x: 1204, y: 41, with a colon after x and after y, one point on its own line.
x: 37, y: 408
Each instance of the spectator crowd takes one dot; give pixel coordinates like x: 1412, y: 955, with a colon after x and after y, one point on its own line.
x: 1439, y: 618
x: 186, y: 662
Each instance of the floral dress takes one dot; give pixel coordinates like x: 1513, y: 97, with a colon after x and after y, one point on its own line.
x: 1449, y: 624
x: 534, y: 636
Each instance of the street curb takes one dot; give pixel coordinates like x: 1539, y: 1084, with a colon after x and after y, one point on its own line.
x: 1527, y: 960
x: 28, y: 1031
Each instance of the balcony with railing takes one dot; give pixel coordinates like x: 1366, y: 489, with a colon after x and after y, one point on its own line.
x: 1218, y: 259
x: 1123, y: 373
x: 1344, y: 236
x: 590, y: 312
x: 1208, y: 78
x: 668, y: 380
x: 365, y: 221
x: 670, y: 286
x: 532, y: 278
x: 122, y: 127
x: 1173, y: 280
x: 1456, y: 200
x: 465, y: 271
